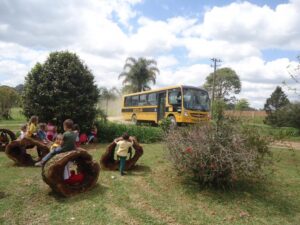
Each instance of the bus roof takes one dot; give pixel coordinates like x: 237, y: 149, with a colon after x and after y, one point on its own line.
x: 165, y: 88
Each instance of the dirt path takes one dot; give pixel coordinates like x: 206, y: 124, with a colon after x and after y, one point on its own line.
x: 287, y: 144
x: 118, y: 119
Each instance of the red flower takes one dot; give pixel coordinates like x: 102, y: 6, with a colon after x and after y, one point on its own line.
x: 188, y: 150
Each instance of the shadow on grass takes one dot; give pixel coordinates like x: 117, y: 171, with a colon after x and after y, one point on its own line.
x: 3, y: 195
x: 93, y: 193
x: 139, y: 170
x: 247, y: 193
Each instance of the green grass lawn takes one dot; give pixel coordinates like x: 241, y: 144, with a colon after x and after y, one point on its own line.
x: 151, y: 194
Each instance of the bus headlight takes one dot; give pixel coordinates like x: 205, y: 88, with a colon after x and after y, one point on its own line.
x: 185, y: 113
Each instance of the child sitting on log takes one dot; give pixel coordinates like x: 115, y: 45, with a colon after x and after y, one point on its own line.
x: 32, y: 127
x: 42, y: 133
x: 123, y: 144
x: 23, y: 131
x: 57, y: 143
x: 76, y: 130
x: 51, y: 131
x: 68, y: 143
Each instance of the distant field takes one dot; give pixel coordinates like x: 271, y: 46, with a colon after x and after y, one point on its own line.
x: 250, y: 116
x: 17, y: 120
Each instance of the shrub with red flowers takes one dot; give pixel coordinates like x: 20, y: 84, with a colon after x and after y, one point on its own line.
x: 218, y: 155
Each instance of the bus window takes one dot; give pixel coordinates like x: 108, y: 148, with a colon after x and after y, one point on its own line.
x: 135, y: 100
x: 128, y: 101
x: 152, y: 99
x: 175, y: 96
x: 143, y: 100
x: 195, y: 99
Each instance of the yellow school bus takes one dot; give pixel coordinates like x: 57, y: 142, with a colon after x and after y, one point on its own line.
x: 181, y: 104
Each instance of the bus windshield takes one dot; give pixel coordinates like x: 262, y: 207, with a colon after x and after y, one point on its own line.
x: 195, y: 99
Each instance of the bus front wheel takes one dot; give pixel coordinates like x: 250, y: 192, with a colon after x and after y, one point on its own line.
x: 134, y: 119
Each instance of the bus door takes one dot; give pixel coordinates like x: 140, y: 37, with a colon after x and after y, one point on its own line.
x: 161, y: 106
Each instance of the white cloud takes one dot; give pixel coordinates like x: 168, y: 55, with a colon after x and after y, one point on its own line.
x: 201, y: 48
x: 13, y: 51
x: 244, y: 22
x: 57, y: 24
x: 12, y: 72
x: 106, y: 70
x: 189, y: 75
x: 166, y: 61
x: 260, y: 78
x: 257, y: 70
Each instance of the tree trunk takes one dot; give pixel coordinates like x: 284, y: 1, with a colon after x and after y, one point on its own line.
x: 106, y: 106
x: 53, y: 172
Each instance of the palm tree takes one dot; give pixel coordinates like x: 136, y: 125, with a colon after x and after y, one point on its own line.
x: 108, y: 94
x: 138, y: 74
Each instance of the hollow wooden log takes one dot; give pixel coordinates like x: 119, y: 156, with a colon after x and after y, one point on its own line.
x: 53, y: 172
x: 17, y: 151
x: 6, y: 136
x: 107, y: 160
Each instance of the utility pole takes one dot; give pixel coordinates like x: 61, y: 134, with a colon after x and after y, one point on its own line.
x: 215, y: 65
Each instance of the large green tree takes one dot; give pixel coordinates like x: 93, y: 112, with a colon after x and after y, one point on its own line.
x: 227, y: 83
x: 9, y: 97
x: 277, y: 101
x: 63, y: 87
x: 138, y: 74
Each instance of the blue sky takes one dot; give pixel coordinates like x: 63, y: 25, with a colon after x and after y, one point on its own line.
x: 260, y: 40
x: 157, y: 9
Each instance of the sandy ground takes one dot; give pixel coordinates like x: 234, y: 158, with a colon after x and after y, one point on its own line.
x: 287, y: 144
x: 117, y: 119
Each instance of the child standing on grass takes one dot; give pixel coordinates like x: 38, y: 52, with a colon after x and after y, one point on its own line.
x: 68, y: 143
x: 123, y: 144
x: 32, y: 127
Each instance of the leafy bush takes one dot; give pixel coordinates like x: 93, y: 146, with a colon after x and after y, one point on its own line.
x: 288, y: 116
x: 108, y: 131
x: 218, y: 155
x: 165, y: 124
x: 219, y: 107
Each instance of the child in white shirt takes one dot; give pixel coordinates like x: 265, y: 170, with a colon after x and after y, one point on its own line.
x: 123, y: 145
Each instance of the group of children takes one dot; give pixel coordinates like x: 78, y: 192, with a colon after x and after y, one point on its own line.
x: 69, y: 140
x: 45, y: 132
x: 64, y: 143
